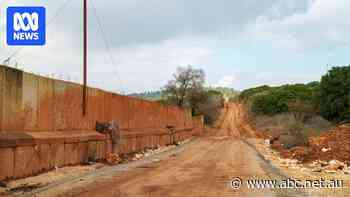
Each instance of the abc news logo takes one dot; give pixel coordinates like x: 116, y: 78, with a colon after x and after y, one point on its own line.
x: 26, y: 26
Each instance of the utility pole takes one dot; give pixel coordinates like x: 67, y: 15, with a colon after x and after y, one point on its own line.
x: 85, y: 56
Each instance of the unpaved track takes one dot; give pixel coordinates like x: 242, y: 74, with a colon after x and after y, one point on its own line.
x: 204, y: 168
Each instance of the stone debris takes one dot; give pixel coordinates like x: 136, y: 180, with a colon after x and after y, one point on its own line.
x: 267, y: 142
x: 331, y: 145
x: 113, y: 159
x: 317, y: 166
x: 159, y: 149
x: 335, y: 165
x: 346, y: 170
x: 325, y: 149
x: 137, y: 156
x: 329, y: 152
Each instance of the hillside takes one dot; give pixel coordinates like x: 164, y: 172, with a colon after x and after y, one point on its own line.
x: 148, y: 95
x: 157, y: 95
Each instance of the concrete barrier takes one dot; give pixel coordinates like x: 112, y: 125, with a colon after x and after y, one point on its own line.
x: 42, y: 127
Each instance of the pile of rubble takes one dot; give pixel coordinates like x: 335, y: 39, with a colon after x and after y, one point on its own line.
x: 285, y: 159
x: 331, y: 166
x: 329, y: 152
x: 331, y: 145
x: 113, y: 159
x: 149, y: 152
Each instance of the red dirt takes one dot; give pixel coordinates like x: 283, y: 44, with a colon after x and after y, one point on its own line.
x: 204, y: 168
x: 335, y: 144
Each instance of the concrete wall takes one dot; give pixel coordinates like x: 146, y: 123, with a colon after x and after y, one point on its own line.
x: 27, y: 154
x: 41, y: 124
x: 33, y: 103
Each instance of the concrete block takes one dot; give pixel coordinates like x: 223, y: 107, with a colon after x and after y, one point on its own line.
x: 153, y: 141
x: 137, y: 143
x: 71, y: 154
x: 45, y: 157
x: 27, y: 161
x: 122, y: 146
x: 109, y: 147
x: 134, y: 144
x: 92, y: 151
x: 83, y: 152
x: 57, y: 155
x: 101, y: 150
x: 6, y: 163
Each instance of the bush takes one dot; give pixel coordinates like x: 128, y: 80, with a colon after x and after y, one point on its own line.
x: 335, y: 94
x: 277, y: 100
x: 247, y: 94
x: 210, y: 106
x: 291, y: 131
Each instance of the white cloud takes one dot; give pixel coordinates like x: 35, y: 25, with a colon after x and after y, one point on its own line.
x: 325, y: 24
x: 149, y: 39
x: 226, y: 81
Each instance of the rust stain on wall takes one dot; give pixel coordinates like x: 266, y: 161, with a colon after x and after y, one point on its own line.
x: 46, y: 104
x: 12, y: 100
x: 35, y: 103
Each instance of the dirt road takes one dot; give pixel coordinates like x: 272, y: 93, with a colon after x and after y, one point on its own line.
x: 204, y: 168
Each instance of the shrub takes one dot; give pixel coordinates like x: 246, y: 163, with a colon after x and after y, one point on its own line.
x: 291, y: 132
x: 210, y: 106
x: 249, y: 93
x: 335, y: 94
x: 278, y: 100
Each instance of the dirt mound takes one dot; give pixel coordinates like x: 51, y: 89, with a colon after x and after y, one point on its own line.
x: 333, y: 144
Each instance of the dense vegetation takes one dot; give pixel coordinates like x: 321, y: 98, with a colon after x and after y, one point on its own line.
x: 278, y: 99
x: 335, y: 94
x: 329, y: 98
x: 298, y: 111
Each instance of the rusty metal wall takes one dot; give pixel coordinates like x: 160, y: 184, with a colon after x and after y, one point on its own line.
x: 29, y: 102
x: 60, y: 104
x: 198, y: 124
x: 35, y: 103
x: 12, y: 118
x: 177, y: 116
x: 118, y: 109
x: 188, y: 118
x: 46, y: 104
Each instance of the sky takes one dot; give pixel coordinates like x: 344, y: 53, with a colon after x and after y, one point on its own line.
x: 239, y: 44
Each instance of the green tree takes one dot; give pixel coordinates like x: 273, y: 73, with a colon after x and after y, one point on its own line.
x: 335, y: 94
x: 276, y: 100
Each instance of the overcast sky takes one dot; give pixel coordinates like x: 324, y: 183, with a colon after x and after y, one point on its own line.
x: 239, y: 44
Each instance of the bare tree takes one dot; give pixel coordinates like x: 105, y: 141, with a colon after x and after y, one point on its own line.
x: 186, y: 81
x: 186, y: 90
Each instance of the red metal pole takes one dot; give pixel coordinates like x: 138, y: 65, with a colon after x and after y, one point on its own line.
x: 85, y: 57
